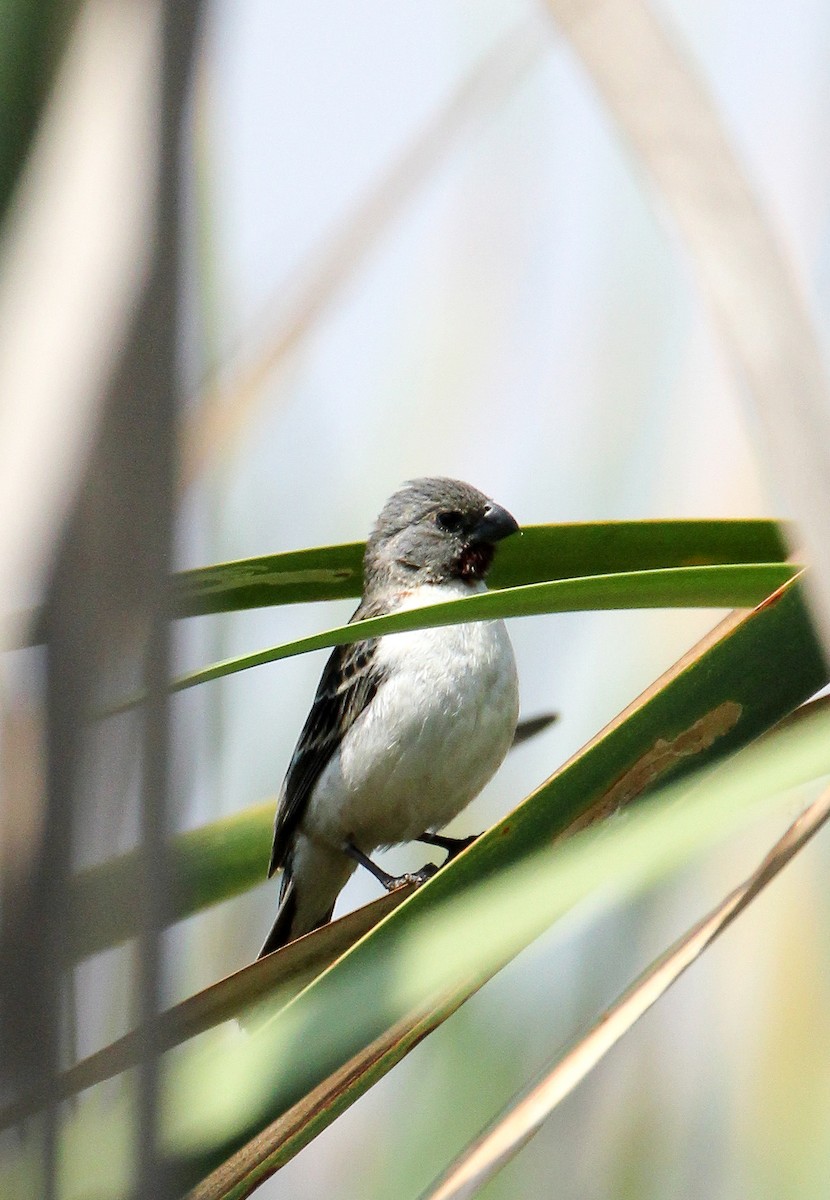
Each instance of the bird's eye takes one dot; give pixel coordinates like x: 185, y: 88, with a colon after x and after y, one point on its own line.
x: 450, y: 522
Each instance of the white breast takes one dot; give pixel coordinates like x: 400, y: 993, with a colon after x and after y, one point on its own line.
x: 436, y: 731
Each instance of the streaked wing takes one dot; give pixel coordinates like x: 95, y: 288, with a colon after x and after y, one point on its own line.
x: 349, y: 682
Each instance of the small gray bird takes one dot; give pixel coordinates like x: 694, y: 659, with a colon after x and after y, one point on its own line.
x: 405, y: 729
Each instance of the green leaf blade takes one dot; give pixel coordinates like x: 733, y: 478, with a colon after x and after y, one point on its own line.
x: 723, y: 586
x: 543, y: 552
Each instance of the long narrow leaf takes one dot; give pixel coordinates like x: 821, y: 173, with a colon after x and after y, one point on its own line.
x: 32, y: 37
x: 526, y: 1113
x: 543, y: 553
x: 679, y: 587
x: 207, y: 865
x: 767, y: 664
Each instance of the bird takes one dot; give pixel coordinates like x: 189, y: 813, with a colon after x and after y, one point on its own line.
x: 405, y: 729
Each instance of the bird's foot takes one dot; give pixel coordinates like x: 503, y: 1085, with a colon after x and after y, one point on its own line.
x: 417, y: 877
x: 390, y: 882
x: 453, y: 846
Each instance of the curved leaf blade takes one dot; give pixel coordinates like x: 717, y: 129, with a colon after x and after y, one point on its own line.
x: 525, y: 1113
x: 677, y: 587
x: 544, y: 552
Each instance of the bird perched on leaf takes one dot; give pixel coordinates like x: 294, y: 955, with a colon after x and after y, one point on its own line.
x: 405, y: 729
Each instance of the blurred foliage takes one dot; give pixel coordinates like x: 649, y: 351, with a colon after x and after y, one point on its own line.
x: 32, y: 39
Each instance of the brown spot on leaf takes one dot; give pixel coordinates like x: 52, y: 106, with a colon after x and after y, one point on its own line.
x: 661, y: 758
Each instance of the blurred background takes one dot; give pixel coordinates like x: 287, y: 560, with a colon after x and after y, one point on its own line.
x: 415, y: 243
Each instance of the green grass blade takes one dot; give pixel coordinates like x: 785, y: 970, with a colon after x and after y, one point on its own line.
x: 208, y: 865
x: 677, y: 587
x: 543, y: 552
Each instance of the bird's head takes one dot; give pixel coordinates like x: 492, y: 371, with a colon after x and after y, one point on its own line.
x: 433, y: 531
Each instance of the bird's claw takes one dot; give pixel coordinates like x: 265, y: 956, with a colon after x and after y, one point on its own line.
x: 390, y: 882
x: 417, y: 877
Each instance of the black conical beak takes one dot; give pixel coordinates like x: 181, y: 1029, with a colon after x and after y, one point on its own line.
x: 497, y: 523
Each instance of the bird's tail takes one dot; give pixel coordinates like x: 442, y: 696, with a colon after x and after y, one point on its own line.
x: 280, y: 932
x: 311, y: 883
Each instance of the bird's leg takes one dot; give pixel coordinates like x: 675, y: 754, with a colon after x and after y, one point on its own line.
x: 453, y: 846
x: 390, y: 882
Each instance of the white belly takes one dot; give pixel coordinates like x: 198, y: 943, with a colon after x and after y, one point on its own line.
x: 436, y: 731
